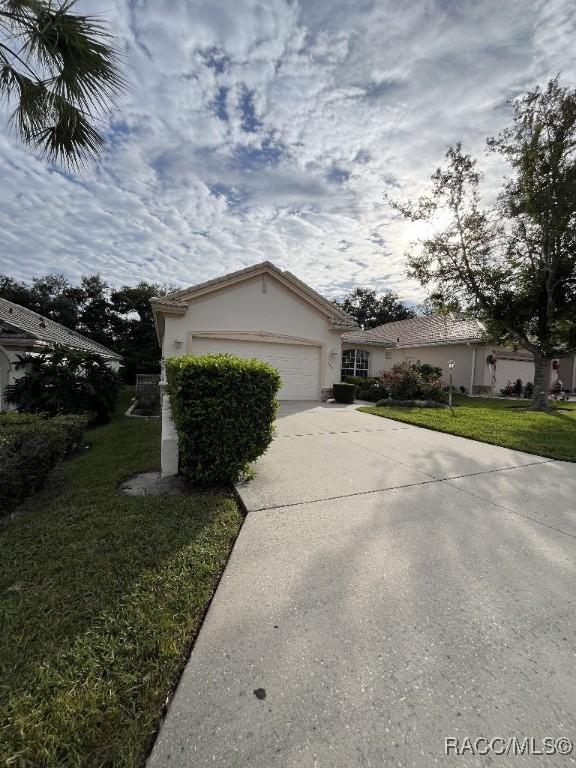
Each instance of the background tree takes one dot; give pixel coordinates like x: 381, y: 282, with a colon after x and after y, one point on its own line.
x: 136, y: 338
x: 437, y: 304
x: 370, y: 310
x: 62, y: 71
x: 122, y: 320
x: 95, y: 318
x: 513, y: 266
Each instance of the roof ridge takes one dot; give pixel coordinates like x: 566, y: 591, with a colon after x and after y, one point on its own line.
x: 55, y: 324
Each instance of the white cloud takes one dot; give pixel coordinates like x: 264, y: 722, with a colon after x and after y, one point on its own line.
x: 270, y: 129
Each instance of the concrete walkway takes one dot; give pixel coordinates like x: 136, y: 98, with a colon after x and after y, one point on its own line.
x: 391, y: 587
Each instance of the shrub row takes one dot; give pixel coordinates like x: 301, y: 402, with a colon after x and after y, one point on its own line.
x: 30, y: 447
x: 224, y: 409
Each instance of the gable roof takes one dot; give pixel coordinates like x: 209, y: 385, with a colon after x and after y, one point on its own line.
x: 20, y: 326
x: 177, y: 302
x: 420, y: 331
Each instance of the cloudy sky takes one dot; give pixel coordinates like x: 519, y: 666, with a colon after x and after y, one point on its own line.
x: 271, y: 129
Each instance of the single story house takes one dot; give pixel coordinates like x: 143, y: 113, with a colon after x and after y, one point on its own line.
x: 479, y: 368
x: 23, y: 331
x: 267, y: 313
x: 260, y: 312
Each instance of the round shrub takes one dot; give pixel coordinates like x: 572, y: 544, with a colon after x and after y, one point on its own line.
x: 414, y: 381
x: 224, y: 409
x: 344, y: 393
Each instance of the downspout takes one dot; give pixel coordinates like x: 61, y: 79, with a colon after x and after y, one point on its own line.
x: 473, y: 374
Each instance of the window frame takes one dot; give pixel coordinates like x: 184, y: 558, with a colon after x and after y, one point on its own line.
x: 355, y: 362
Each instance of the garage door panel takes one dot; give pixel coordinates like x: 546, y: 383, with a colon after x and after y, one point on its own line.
x: 298, y: 364
x: 510, y: 370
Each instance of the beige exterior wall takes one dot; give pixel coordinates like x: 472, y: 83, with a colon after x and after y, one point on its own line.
x: 382, y: 359
x: 256, y: 309
x: 509, y: 366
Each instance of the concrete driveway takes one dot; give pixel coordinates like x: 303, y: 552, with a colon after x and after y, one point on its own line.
x: 391, y: 587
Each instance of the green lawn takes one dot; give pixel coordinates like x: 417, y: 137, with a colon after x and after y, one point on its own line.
x: 500, y: 422
x: 100, y: 597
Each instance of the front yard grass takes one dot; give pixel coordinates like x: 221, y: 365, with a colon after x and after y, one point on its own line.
x: 100, y: 597
x: 500, y: 422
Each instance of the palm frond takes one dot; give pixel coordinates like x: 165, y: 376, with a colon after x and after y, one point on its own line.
x: 64, y: 74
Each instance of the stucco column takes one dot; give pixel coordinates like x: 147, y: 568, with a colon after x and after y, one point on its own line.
x: 169, y: 444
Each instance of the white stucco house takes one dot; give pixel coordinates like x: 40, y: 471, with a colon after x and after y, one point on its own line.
x: 23, y: 331
x: 436, y: 340
x: 267, y: 313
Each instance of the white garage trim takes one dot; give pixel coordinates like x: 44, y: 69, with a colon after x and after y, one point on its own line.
x: 278, y: 338
x: 298, y: 361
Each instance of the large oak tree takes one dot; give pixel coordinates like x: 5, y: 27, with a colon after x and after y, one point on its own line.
x: 512, y: 265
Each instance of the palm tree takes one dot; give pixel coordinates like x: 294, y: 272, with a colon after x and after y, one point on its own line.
x: 62, y: 70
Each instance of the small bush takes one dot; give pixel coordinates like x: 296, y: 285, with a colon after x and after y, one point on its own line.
x: 147, y: 405
x: 528, y: 390
x: 391, y: 403
x: 410, y: 381
x: 360, y: 381
x: 64, y: 381
x: 344, y: 393
x: 224, y: 409
x: 373, y: 392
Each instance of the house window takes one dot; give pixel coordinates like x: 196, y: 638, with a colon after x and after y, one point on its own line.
x: 354, y: 363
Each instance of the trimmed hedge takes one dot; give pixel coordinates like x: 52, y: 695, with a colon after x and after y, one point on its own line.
x: 344, y: 393
x: 224, y: 409
x: 30, y: 447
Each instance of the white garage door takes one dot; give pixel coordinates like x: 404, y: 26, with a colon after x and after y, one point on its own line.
x: 510, y: 370
x: 298, y: 364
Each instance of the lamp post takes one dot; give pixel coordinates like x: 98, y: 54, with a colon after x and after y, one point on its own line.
x: 451, y: 368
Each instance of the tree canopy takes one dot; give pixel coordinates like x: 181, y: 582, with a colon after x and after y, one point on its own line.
x: 370, y: 309
x: 120, y: 319
x: 513, y: 265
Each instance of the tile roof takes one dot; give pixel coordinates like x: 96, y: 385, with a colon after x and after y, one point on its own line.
x: 420, y: 331
x: 19, y: 323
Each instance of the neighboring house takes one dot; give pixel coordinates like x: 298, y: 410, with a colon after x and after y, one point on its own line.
x: 23, y: 331
x: 437, y: 339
